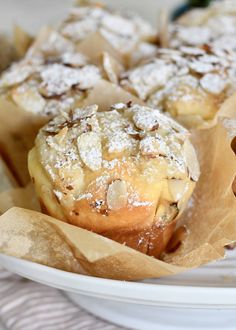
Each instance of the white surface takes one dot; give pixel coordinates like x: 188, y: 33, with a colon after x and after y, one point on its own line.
x: 32, y: 14
x: 202, y: 298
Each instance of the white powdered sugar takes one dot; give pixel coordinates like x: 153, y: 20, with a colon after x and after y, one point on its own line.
x: 58, y: 79
x: 52, y: 77
x: 122, y: 31
x: 183, y: 76
x: 213, y: 83
x: 74, y: 59
x: 194, y: 35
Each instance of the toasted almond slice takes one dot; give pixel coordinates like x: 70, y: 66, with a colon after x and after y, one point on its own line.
x: 74, y: 60
x: 29, y: 100
x: 59, y: 137
x: 151, y: 146
x: 16, y: 74
x: 177, y: 188
x: 111, y: 67
x: 90, y: 150
x: 191, y: 160
x: 117, y: 195
x: 85, y: 112
x: 147, y: 120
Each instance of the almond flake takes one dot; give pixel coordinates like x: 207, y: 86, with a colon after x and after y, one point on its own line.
x: 213, y: 83
x: 16, y: 75
x: 190, y: 156
x: 151, y: 146
x: 29, y: 100
x: 117, y: 195
x: 86, y: 112
x: 58, y: 79
x: 201, y: 67
x: 111, y: 67
x: 90, y: 150
x: 146, y: 120
x: 74, y: 59
x: 177, y: 188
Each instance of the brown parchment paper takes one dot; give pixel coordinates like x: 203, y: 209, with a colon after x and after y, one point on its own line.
x: 209, y: 221
x: 17, y: 134
x: 7, y: 181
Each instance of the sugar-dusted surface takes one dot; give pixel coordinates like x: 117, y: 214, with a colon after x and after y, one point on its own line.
x: 124, y: 173
x: 52, y: 76
x: 187, y: 81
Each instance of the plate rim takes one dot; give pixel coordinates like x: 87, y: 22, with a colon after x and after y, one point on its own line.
x: 135, y: 292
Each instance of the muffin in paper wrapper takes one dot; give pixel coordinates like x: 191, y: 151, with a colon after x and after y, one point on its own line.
x: 206, y: 226
x: 19, y: 127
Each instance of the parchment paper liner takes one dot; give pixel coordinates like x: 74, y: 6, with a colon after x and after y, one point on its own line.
x: 209, y: 220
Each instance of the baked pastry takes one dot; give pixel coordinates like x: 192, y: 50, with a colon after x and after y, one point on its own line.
x: 190, y: 83
x: 52, y: 77
x: 214, y: 27
x: 125, y: 32
x: 125, y: 174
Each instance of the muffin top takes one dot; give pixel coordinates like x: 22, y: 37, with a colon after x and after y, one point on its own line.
x: 189, y: 74
x: 52, y: 76
x: 145, y: 153
x: 122, y: 31
x: 214, y: 26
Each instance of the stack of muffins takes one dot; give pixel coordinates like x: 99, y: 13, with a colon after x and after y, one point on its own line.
x: 126, y: 172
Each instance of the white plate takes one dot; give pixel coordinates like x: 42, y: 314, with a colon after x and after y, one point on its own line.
x: 198, y: 299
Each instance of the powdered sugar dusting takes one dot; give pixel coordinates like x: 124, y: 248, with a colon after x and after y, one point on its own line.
x: 52, y: 72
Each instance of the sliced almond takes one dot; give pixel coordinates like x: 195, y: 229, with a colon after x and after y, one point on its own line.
x: 18, y: 73
x: 74, y: 60
x: 29, y: 100
x: 90, y: 150
x: 59, y: 137
x: 177, y: 189
x: 151, y: 146
x: 191, y: 160
x: 85, y: 112
x: 117, y: 195
x: 111, y: 67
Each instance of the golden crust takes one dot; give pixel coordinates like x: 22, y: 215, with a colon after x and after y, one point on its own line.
x: 120, y: 190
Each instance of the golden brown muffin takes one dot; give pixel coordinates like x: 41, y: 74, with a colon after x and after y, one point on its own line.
x: 189, y: 83
x: 126, y: 173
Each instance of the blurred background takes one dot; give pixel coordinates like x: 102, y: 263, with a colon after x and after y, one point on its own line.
x: 32, y: 14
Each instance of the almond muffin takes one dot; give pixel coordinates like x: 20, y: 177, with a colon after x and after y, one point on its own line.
x: 126, y: 173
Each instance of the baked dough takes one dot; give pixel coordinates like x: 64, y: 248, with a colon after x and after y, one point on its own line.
x: 128, y: 34
x: 52, y: 77
x: 126, y: 173
x: 190, y: 83
x: 214, y: 27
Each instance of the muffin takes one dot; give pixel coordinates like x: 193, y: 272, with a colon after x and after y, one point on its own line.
x: 126, y: 173
x: 52, y: 77
x: 189, y: 83
x: 214, y: 26
x: 125, y: 32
